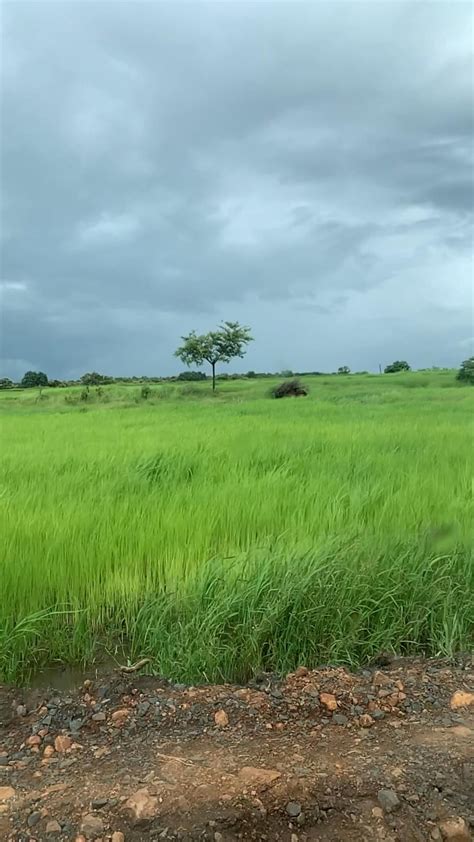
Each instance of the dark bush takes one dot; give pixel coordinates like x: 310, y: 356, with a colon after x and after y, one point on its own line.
x: 145, y: 392
x: 93, y: 378
x: 466, y: 371
x: 290, y: 389
x: 398, y: 365
x: 192, y: 375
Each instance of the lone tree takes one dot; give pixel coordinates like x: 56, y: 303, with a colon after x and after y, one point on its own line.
x: 398, y: 365
x: 6, y: 383
x: 466, y: 371
x: 34, y: 378
x: 217, y: 346
x: 343, y: 369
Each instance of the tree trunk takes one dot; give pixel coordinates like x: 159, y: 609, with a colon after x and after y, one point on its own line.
x: 213, y: 377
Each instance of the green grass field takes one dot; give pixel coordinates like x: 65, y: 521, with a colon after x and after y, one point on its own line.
x: 225, y: 535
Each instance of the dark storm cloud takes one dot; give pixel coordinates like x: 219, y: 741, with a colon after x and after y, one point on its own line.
x: 306, y: 168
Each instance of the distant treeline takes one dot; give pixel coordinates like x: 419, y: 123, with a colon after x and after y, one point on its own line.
x: 38, y: 379
x: 34, y: 379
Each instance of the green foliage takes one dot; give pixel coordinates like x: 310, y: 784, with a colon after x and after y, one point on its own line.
x: 221, y: 345
x: 466, y: 371
x: 34, y: 379
x: 225, y: 538
x: 93, y: 378
x: 5, y: 383
x: 145, y: 392
x: 192, y: 375
x: 290, y: 389
x: 344, y: 369
x: 398, y: 365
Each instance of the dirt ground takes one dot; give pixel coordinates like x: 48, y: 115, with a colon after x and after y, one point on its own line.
x: 384, y: 754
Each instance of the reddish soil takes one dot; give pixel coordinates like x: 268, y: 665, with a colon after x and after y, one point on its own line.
x: 385, y: 754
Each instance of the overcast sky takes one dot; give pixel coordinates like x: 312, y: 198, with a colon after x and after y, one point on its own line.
x: 305, y: 168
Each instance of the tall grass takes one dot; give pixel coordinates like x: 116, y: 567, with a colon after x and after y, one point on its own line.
x: 226, y: 536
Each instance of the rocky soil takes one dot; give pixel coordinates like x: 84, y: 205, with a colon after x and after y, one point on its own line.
x: 384, y: 754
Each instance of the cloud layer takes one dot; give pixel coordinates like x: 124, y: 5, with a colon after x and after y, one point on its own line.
x: 305, y: 168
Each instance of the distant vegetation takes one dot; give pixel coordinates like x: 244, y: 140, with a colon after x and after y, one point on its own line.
x: 93, y: 378
x: 398, y: 365
x: 466, y: 371
x: 192, y: 376
x: 34, y: 378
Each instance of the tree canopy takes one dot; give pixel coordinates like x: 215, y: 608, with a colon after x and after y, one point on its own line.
x: 466, y: 371
x: 398, y: 365
x: 221, y: 345
x: 93, y: 378
x: 34, y: 378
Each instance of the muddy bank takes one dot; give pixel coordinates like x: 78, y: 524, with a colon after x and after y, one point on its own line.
x: 386, y: 753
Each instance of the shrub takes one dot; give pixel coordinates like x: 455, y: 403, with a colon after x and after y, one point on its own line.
x: 93, y: 378
x: 145, y: 392
x: 6, y: 383
x: 466, y: 371
x: 398, y: 365
x: 192, y: 375
x: 289, y: 389
x: 85, y: 394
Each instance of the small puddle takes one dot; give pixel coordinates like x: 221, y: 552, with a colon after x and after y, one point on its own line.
x: 68, y: 678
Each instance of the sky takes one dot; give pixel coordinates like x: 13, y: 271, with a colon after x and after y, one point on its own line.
x: 305, y: 168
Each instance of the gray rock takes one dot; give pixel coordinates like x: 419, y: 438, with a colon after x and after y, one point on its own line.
x: 33, y: 818
x: 340, y: 719
x: 98, y: 717
x: 3, y: 761
x: 293, y: 808
x: 97, y: 803
x: 388, y: 800
x: 21, y: 710
x: 378, y: 714
x: 92, y: 826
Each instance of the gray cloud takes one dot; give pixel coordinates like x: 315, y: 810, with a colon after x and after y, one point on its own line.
x: 306, y: 168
